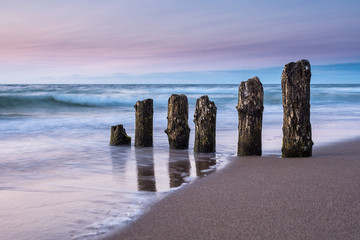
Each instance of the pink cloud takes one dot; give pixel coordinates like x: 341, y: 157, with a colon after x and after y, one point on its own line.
x: 81, y: 37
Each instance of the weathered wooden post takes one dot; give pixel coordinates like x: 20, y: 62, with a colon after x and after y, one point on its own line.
x: 205, y: 125
x: 144, y: 123
x: 178, y: 129
x: 250, y: 111
x: 118, y: 136
x: 295, y: 83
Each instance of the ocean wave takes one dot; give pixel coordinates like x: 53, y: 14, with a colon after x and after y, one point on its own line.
x: 60, y: 100
x: 29, y: 97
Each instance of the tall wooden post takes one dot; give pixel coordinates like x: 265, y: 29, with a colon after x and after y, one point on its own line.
x: 178, y: 130
x: 144, y: 123
x: 205, y: 125
x: 295, y: 83
x: 250, y: 111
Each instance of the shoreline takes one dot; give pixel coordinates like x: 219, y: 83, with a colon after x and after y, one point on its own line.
x: 263, y: 198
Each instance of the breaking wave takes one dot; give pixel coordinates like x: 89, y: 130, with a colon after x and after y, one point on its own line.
x: 55, y: 101
x: 104, y: 96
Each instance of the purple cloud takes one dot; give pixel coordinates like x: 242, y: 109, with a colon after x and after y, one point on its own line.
x: 92, y: 37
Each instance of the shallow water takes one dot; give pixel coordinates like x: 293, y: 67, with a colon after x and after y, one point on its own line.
x: 61, y: 180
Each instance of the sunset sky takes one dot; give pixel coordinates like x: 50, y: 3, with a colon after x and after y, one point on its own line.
x: 187, y: 41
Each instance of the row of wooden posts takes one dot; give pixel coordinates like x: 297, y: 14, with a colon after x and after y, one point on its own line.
x: 297, y: 140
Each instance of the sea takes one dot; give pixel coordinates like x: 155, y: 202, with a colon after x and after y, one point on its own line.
x: 60, y: 179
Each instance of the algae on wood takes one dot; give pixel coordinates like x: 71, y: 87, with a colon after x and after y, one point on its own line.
x: 118, y: 136
x: 295, y: 83
x: 205, y: 125
x: 250, y: 112
x: 178, y: 130
x: 144, y: 123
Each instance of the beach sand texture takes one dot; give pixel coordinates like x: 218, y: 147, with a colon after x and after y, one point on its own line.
x: 263, y: 198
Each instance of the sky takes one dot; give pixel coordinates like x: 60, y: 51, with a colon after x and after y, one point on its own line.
x: 168, y: 41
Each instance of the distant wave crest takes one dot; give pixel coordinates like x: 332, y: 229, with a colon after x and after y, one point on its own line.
x: 54, y: 101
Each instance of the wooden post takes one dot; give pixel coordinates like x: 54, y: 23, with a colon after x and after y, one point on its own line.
x: 118, y: 136
x: 295, y: 83
x: 178, y: 129
x: 250, y: 111
x: 144, y: 123
x: 205, y: 125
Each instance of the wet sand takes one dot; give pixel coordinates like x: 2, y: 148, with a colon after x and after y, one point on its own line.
x: 263, y: 198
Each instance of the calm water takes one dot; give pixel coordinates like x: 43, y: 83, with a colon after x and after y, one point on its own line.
x: 59, y: 178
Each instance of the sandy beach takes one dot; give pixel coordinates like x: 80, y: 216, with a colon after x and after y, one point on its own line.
x: 263, y: 198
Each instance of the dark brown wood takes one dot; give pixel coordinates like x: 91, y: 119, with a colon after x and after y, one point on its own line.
x: 144, y: 123
x: 118, y: 136
x: 250, y: 111
x: 178, y: 130
x: 205, y: 125
x: 295, y: 83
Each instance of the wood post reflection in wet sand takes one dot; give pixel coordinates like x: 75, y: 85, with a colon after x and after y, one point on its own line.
x: 120, y: 155
x: 204, y: 162
x: 179, y: 167
x: 145, y: 169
